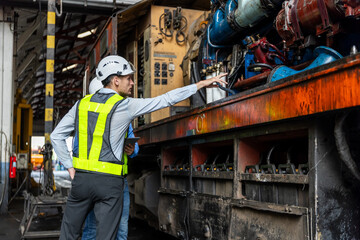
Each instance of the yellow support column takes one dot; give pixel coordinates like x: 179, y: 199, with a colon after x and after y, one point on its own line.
x: 50, y: 56
x: 49, y: 184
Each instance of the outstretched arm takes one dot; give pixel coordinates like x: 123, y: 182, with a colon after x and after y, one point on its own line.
x: 137, y: 107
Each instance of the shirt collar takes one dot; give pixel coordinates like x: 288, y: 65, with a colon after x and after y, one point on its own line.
x: 107, y: 90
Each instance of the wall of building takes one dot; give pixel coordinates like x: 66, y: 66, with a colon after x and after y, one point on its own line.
x: 6, y: 100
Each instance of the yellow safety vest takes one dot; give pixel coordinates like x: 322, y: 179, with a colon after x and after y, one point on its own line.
x: 92, y: 162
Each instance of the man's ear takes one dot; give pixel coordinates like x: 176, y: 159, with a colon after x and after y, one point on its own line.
x: 116, y: 81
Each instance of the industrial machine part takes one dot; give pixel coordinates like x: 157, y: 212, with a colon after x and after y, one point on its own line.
x: 300, y: 19
x: 220, y: 31
x: 235, y: 40
x: 238, y: 18
x: 250, y: 12
x: 325, y: 55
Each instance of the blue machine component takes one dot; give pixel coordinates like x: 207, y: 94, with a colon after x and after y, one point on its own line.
x: 248, y: 61
x: 219, y: 30
x: 325, y: 55
x: 307, y: 55
x: 242, y: 14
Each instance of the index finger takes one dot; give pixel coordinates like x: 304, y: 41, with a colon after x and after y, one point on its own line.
x: 222, y: 75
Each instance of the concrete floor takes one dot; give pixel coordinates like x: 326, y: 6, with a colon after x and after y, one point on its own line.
x: 10, y: 222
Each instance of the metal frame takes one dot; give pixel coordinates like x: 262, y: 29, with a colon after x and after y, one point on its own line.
x: 31, y: 205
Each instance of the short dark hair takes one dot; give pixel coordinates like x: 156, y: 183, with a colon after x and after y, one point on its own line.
x: 107, y: 80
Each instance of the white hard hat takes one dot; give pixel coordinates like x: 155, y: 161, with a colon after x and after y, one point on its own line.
x: 95, y: 85
x: 111, y: 65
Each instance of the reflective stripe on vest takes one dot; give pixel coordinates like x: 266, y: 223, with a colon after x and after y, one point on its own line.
x: 91, y: 162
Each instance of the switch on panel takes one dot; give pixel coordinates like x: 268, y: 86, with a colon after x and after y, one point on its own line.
x: 157, y: 66
x: 164, y: 66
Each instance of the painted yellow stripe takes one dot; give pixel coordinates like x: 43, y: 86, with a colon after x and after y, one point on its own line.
x: 49, y: 90
x: 100, y: 127
x: 51, y: 18
x: 83, y: 122
x: 98, y: 166
x: 49, y: 65
x: 47, y: 137
x: 48, y: 114
x: 50, y: 43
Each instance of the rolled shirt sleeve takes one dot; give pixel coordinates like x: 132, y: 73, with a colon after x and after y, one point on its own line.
x: 140, y: 106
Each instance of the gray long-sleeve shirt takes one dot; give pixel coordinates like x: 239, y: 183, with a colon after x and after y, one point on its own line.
x: 126, y: 111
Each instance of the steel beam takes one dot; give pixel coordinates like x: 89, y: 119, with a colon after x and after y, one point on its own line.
x: 27, y: 34
x: 30, y: 57
x: 30, y: 76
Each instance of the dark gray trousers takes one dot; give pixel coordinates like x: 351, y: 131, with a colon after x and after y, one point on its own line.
x: 102, y: 192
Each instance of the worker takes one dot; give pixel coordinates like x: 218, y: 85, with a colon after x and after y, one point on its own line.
x: 100, y: 122
x: 89, y: 231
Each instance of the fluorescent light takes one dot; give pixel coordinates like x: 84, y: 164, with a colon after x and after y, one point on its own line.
x: 69, y: 67
x: 87, y: 33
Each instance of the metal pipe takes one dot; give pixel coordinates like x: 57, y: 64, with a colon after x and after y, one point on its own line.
x: 300, y: 18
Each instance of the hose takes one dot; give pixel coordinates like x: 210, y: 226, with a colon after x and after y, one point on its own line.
x: 61, y: 10
x: 343, y: 147
x: 161, y: 30
x: 181, y: 32
x: 268, y: 158
x: 252, y: 67
x: 226, y: 89
x: 233, y: 77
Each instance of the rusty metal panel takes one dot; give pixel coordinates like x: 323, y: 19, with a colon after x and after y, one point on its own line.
x: 209, y: 217
x: 262, y: 221
x: 172, y: 213
x: 214, y: 186
x: 176, y: 183
x: 330, y: 87
x: 334, y: 191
